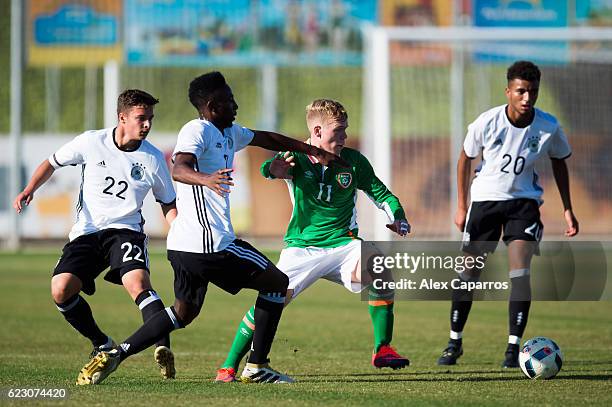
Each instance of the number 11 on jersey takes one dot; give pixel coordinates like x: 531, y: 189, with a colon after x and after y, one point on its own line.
x: 328, y: 187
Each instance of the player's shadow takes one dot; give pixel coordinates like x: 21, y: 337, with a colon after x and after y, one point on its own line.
x: 591, y: 377
x: 387, y: 379
x: 454, y: 376
x: 589, y: 362
x: 410, y: 373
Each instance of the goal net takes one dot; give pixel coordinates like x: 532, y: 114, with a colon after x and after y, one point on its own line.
x: 423, y: 86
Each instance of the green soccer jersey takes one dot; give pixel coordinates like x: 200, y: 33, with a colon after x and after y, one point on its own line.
x: 324, y: 212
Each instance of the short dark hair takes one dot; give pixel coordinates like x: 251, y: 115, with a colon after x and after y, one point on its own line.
x: 525, y: 70
x: 134, y: 97
x: 202, y: 88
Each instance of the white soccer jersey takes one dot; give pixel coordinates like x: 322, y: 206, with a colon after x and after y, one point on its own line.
x: 509, y: 154
x: 114, y: 182
x: 203, y: 224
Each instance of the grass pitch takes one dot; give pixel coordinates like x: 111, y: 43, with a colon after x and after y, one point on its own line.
x: 324, y: 341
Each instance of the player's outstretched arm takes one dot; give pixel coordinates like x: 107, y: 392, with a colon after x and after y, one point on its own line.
x: 464, y: 166
x: 183, y: 171
x: 561, y: 175
x: 41, y: 175
x: 277, y: 142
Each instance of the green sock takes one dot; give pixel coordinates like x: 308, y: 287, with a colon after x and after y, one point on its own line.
x: 242, y: 340
x: 381, y: 312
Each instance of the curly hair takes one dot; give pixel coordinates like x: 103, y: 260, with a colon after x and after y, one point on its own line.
x: 325, y: 109
x: 202, y: 88
x: 525, y: 70
x: 134, y: 97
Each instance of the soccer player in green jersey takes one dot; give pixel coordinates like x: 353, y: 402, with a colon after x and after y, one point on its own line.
x: 321, y: 239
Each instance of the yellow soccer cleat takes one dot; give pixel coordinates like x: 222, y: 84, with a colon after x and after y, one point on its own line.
x: 98, y: 368
x: 165, y: 360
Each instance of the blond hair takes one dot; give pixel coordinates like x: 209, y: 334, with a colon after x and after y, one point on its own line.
x: 324, y: 110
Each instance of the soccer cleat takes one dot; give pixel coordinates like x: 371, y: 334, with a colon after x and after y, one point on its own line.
x: 254, y: 373
x: 450, y: 354
x: 165, y: 361
x: 99, y: 368
x: 511, y: 357
x: 388, y: 357
x: 226, y: 375
x: 107, y: 347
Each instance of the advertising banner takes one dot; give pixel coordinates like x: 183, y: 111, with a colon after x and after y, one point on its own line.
x: 72, y: 32
x: 243, y: 32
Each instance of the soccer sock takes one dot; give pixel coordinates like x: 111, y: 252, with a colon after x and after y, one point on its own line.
x: 518, y: 307
x: 242, y: 340
x: 156, y: 327
x: 78, y: 314
x: 380, y: 306
x: 268, y: 310
x: 150, y: 304
x: 460, y: 310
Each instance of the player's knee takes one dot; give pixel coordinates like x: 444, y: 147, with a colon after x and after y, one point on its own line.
x: 185, y: 312
x: 470, y: 274
x: 278, y: 281
x: 64, y: 287
x: 288, y: 296
x: 136, y: 281
x: 283, y: 282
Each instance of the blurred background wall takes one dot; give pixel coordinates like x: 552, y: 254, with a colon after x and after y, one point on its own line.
x: 279, y: 55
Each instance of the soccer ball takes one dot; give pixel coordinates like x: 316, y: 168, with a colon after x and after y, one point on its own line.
x: 540, y: 358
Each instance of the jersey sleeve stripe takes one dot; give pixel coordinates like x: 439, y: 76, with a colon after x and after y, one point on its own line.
x: 164, y: 203
x: 57, y: 162
x: 562, y: 158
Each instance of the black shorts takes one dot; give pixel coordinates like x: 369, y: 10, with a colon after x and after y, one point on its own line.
x: 519, y: 219
x: 231, y: 270
x: 89, y: 255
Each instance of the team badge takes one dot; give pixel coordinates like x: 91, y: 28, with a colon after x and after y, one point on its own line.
x: 533, y: 143
x: 308, y: 174
x: 344, y: 179
x: 137, y: 172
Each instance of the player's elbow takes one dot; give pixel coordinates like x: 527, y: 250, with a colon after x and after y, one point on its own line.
x: 177, y: 172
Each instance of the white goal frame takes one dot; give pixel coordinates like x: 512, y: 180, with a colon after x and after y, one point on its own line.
x: 376, y: 136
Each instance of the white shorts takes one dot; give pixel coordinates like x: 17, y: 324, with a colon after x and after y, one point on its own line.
x: 306, y: 265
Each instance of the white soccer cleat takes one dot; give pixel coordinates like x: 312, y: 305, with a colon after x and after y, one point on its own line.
x: 254, y: 373
x: 165, y: 361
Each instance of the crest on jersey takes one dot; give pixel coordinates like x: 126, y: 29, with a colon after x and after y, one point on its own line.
x: 344, y: 179
x: 533, y: 143
x: 308, y: 174
x: 137, y: 172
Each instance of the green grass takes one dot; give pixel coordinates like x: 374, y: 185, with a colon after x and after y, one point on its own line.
x: 324, y: 341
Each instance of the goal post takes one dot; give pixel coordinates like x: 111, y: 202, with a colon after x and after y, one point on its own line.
x: 422, y: 86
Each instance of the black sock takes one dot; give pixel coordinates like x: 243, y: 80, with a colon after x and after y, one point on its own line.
x: 268, y: 310
x: 150, y: 304
x: 518, y: 307
x: 460, y: 310
x: 518, y: 312
x: 156, y: 327
x: 78, y: 314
